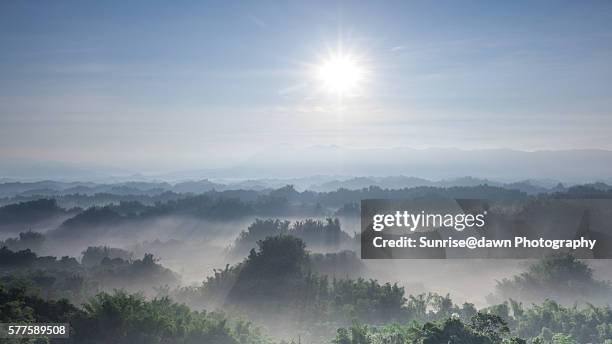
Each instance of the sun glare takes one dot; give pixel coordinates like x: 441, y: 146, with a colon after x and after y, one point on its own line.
x: 340, y: 74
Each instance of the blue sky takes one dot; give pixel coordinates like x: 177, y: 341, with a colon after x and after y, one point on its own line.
x: 168, y: 85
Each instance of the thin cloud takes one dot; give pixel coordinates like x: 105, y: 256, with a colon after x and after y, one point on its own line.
x: 256, y: 20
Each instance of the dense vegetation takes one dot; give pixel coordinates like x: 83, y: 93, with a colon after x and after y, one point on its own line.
x: 482, y: 328
x: 560, y: 277
x: 127, y: 319
x: 317, y: 295
x: 277, y: 280
x: 112, y: 209
x: 26, y: 240
x: 316, y: 233
x: 428, y: 318
x: 30, y: 211
x: 67, y: 278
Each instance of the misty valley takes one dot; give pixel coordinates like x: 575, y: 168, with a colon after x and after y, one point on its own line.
x: 305, y: 172
x: 140, y: 263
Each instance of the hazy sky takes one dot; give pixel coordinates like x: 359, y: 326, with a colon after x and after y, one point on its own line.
x: 171, y: 85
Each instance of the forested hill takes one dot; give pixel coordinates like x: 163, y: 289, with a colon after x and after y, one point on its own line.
x: 274, y: 287
x: 50, y: 188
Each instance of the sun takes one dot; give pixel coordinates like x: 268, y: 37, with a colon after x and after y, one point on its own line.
x: 340, y: 74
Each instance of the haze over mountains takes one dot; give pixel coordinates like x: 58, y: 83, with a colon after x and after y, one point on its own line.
x: 50, y: 188
x: 285, y: 162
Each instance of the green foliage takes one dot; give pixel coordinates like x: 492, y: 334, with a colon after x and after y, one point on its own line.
x: 10, y: 259
x: 19, y: 304
x: 561, y: 277
x: 135, y: 274
x: 319, y: 233
x: 278, y: 256
x: 343, y: 264
x: 482, y: 329
x: 94, y: 255
x: 130, y: 319
x: 490, y: 325
x: 276, y: 280
x: 315, y: 233
x: 588, y: 325
x: 123, y: 318
x: 66, y: 278
x: 29, y: 211
x: 259, y: 230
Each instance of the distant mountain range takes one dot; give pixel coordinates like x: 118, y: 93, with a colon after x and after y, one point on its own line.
x: 399, y: 182
x: 319, y: 183
x: 313, y: 165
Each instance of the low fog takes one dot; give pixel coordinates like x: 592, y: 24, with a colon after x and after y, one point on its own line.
x: 204, y: 250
